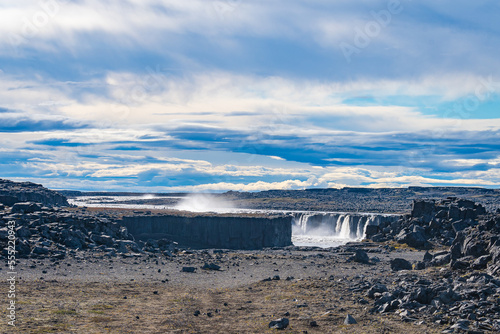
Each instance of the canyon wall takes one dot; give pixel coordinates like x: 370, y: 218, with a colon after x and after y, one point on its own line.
x: 213, y: 231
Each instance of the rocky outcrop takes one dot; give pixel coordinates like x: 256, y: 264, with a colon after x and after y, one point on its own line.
x: 16, y: 192
x: 431, y: 223
x: 477, y: 247
x: 469, y: 303
x: 43, y: 232
x: 214, y: 231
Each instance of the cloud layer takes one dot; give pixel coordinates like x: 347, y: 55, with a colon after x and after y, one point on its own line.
x: 232, y: 95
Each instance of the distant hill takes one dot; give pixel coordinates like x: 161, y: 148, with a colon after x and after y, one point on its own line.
x: 14, y: 192
x: 380, y: 200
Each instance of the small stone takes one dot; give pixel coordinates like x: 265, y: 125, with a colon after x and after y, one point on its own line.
x: 210, y: 266
x: 281, y: 323
x: 349, y: 320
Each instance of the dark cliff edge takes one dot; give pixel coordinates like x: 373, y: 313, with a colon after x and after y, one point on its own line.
x: 213, y: 231
x: 16, y: 192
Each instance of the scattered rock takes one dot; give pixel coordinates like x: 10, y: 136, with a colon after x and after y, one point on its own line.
x: 27, y: 207
x: 281, y: 323
x: 400, y: 264
x: 361, y: 257
x: 349, y: 320
x: 210, y: 266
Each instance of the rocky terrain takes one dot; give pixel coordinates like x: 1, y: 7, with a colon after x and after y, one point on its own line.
x: 14, y: 192
x: 435, y: 270
x: 383, y: 200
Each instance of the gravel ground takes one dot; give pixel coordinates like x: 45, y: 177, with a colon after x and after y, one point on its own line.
x: 237, y: 267
x: 92, y: 293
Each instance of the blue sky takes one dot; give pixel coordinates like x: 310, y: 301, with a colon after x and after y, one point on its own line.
x: 224, y: 95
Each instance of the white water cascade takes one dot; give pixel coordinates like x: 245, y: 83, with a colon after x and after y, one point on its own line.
x: 326, y: 229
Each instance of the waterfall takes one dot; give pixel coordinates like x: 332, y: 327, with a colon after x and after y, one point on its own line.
x: 334, y: 225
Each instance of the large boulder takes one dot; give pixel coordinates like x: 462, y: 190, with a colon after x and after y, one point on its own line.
x: 25, y: 207
x: 474, y: 246
x: 8, y: 200
x: 414, y: 238
x: 23, y: 248
x: 72, y: 239
x: 371, y: 230
x: 423, y: 209
x: 400, y: 264
x: 281, y: 323
x: 361, y: 257
x: 103, y: 240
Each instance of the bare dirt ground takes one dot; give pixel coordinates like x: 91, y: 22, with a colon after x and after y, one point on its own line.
x: 83, y: 294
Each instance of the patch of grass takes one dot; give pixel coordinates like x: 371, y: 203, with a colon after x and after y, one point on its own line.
x: 59, y: 328
x: 102, y: 307
x: 101, y: 319
x: 65, y: 312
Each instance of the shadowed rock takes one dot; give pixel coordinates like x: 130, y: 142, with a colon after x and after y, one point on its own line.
x: 349, y: 320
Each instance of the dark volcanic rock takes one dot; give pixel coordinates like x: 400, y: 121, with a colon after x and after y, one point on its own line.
x: 361, y: 257
x: 381, y: 200
x: 433, y: 223
x: 210, y: 266
x: 415, y: 238
x: 400, y: 264
x: 281, y: 323
x: 16, y: 192
x: 349, y: 320
x: 26, y: 207
x: 422, y: 208
x: 214, y: 231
